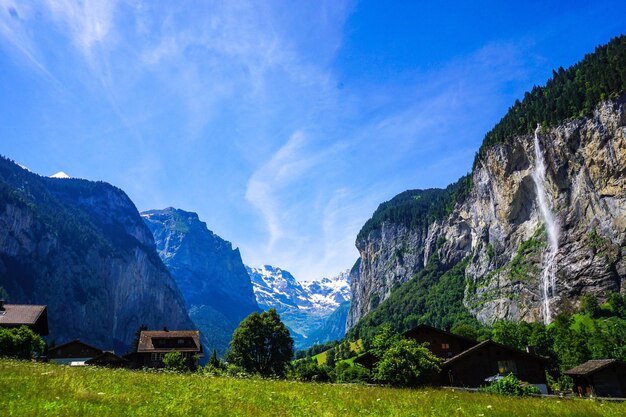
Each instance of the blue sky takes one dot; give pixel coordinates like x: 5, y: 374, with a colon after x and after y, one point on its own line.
x: 283, y: 124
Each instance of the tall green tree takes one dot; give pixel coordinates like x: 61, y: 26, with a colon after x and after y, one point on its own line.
x: 261, y: 344
x: 384, y: 339
x: 214, y: 361
x: 511, y: 333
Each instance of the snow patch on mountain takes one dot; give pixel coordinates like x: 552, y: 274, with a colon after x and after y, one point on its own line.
x: 60, y: 174
x: 303, y: 306
x: 277, y: 288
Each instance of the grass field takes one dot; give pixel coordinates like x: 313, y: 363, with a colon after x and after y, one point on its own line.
x: 33, y: 389
x: 356, y: 347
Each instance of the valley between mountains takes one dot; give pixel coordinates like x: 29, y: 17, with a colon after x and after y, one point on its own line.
x: 537, y: 224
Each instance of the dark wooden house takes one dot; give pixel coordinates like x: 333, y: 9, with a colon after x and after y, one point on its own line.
x: 599, y: 378
x: 441, y: 343
x: 73, y: 353
x: 488, y: 360
x: 153, y: 345
x: 33, y: 316
x: 108, y: 359
x: 366, y: 360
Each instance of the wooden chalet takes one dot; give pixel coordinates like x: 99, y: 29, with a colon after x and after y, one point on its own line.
x: 599, y: 378
x: 153, y: 345
x: 489, y: 360
x: 34, y: 317
x: 108, y: 359
x: 73, y: 353
x: 441, y: 343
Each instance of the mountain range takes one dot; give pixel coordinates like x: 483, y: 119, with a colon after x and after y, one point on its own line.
x: 81, y: 248
x: 304, y: 306
x: 208, y: 271
x: 539, y: 222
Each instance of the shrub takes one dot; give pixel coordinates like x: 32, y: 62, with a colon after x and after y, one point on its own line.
x: 345, y: 372
x: 20, y: 343
x: 174, y: 361
x: 307, y: 370
x: 406, y: 363
x: 510, y: 385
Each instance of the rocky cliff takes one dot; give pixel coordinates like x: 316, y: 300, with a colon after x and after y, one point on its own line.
x: 81, y: 248
x: 499, y: 229
x: 209, y: 272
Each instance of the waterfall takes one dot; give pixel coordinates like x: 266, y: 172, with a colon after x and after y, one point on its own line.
x: 548, y: 274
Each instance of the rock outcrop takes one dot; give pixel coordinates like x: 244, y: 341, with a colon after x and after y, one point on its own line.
x: 209, y: 272
x: 499, y: 228
x: 81, y: 248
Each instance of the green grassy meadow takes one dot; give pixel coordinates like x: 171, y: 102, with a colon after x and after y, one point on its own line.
x: 35, y: 389
x: 356, y: 347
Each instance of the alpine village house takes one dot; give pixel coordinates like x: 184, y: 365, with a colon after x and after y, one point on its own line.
x: 153, y: 345
x: 35, y: 317
x: 468, y: 363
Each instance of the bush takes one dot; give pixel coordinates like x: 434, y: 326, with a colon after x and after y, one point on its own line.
x: 20, y: 343
x: 236, y: 371
x: 174, y: 361
x: 347, y: 373
x: 406, y: 363
x: 307, y: 370
x: 510, y: 385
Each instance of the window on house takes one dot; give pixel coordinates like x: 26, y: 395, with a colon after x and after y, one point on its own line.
x: 181, y: 341
x: 507, y: 367
x: 445, y: 346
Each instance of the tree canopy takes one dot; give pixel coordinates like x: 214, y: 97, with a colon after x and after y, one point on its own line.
x: 402, y: 362
x: 261, y: 344
x: 20, y: 342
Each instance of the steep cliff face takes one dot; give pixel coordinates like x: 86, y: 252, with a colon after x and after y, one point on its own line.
x: 585, y: 186
x: 81, y: 248
x: 390, y: 255
x: 209, y: 272
x: 499, y: 230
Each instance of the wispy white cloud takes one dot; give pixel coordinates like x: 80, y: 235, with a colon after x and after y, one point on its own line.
x: 237, y: 105
x: 13, y: 30
x: 272, y: 181
x: 88, y: 22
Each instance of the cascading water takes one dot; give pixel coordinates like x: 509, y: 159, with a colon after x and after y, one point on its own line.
x: 548, y: 274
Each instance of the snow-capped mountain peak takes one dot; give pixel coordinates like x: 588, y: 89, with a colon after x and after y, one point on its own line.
x: 275, y: 287
x: 60, y: 174
x: 304, y: 306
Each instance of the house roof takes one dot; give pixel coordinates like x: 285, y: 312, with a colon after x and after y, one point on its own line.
x: 434, y: 329
x: 106, y: 357
x: 16, y: 314
x: 146, y: 337
x: 590, y: 367
x: 365, y: 358
x: 72, y: 342
x: 482, y: 345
